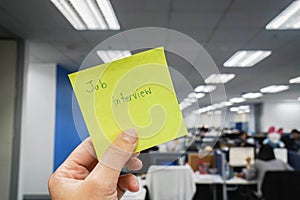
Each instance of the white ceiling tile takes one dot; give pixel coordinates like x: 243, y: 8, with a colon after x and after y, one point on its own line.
x: 41, y: 20
x: 141, y: 5
x: 137, y: 19
x: 259, y: 5
x: 239, y: 35
x: 246, y: 20
x: 200, y: 5
x: 194, y: 20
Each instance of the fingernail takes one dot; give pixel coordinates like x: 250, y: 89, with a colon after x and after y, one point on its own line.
x: 130, y: 135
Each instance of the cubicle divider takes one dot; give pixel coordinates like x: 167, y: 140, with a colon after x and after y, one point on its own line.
x: 160, y: 158
x: 294, y: 159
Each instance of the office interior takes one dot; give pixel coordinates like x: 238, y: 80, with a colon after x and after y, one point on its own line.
x: 39, y: 47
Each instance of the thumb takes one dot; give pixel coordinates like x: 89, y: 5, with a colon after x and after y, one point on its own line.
x: 108, y: 169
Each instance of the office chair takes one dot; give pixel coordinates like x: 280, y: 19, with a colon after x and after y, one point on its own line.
x: 170, y: 182
x: 281, y: 185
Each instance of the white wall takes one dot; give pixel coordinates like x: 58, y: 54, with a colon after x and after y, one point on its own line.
x: 285, y: 114
x: 37, y: 131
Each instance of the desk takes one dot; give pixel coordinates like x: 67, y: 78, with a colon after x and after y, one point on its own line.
x: 214, y: 179
x: 235, y: 185
x: 208, y: 178
x: 200, y: 179
x: 240, y: 181
x: 211, y: 179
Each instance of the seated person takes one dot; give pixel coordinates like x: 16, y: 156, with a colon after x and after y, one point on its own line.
x: 274, y: 138
x: 265, y: 161
x: 292, y: 140
x: 243, y: 140
x: 203, y: 131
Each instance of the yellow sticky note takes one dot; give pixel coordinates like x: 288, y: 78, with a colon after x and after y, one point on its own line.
x: 134, y: 92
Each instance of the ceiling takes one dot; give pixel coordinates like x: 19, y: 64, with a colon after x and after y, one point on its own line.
x: 221, y: 27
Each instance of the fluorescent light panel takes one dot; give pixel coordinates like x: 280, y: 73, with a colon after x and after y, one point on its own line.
x: 218, y: 105
x: 274, y: 88
x: 246, y: 58
x: 289, y: 18
x: 196, y: 95
x: 234, y: 109
x: 240, y: 109
x: 88, y: 14
x: 219, y: 78
x: 226, y: 103
x: 295, y: 80
x: 111, y: 55
x: 237, y: 100
x: 205, y: 88
x: 183, y: 105
x: 252, y: 95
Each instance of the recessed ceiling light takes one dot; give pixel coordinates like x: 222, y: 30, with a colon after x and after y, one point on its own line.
x: 200, y: 110
x: 246, y: 58
x: 219, y: 78
x: 237, y: 100
x: 111, y: 55
x: 244, y: 107
x: 193, y: 100
x: 88, y: 14
x: 200, y: 95
x: 274, y: 88
x: 295, y: 80
x: 234, y: 109
x: 252, y: 95
x: 205, y: 88
x: 289, y: 18
x: 240, y: 109
x: 183, y: 105
x: 226, y: 103
x: 192, y: 95
x: 218, y: 105
x: 187, y: 100
x: 210, y: 108
x: 196, y: 95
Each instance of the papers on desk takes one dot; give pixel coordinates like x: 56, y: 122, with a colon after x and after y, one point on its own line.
x: 239, y: 181
x: 208, y: 178
x: 217, y: 179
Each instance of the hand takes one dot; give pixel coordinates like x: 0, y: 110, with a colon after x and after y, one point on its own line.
x: 81, y: 176
x: 248, y: 162
x: 241, y: 175
x: 248, y: 159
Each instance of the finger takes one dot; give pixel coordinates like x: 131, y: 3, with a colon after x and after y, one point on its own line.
x: 84, y: 154
x: 79, y: 163
x: 107, y: 171
x: 127, y: 182
x: 134, y: 164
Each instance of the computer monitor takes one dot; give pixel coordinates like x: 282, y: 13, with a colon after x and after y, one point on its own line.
x: 165, y: 158
x: 159, y: 158
x: 281, y: 153
x: 238, y: 156
x: 220, y: 162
